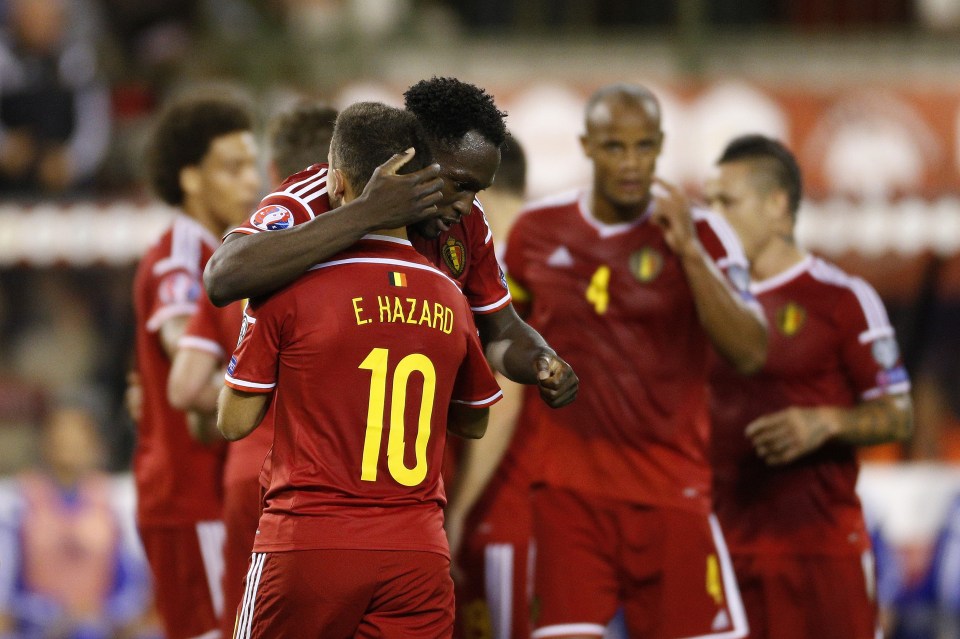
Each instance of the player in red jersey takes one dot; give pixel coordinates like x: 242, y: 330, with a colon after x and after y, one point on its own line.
x: 465, y: 130
x: 297, y: 138
x: 378, y: 337
x: 784, y: 444
x: 202, y: 159
x: 631, y: 288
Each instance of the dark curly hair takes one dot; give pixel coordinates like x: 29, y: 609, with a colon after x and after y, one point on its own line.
x: 448, y: 109
x: 183, y: 135
x: 367, y: 134
x: 301, y: 136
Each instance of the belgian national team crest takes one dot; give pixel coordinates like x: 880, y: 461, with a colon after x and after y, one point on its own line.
x: 454, y: 256
x: 646, y: 264
x: 272, y: 217
x: 790, y: 319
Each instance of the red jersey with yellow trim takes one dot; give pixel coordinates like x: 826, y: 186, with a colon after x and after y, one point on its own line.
x: 217, y: 331
x: 614, y: 301
x: 178, y: 479
x: 831, y: 344
x: 364, y: 354
x: 465, y: 252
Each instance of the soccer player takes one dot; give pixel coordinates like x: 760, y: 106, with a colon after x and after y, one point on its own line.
x: 202, y: 159
x: 784, y: 441
x: 298, y: 138
x: 466, y: 130
x: 376, y: 337
x: 635, y: 290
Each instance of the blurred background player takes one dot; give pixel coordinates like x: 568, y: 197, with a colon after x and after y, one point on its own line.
x: 298, y: 138
x: 466, y: 130
x: 784, y: 440
x: 340, y: 497
x: 633, y: 289
x: 202, y: 159
x: 67, y: 571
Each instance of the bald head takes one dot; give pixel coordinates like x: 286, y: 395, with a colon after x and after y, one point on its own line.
x: 606, y: 101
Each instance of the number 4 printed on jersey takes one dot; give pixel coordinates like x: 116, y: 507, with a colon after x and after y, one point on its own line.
x: 598, y: 292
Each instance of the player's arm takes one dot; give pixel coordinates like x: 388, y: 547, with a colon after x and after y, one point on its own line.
x: 517, y: 351
x: 170, y: 333
x: 260, y: 263
x: 781, y: 437
x: 736, y: 329
x: 193, y: 386
x: 480, y: 459
x: 467, y: 421
x: 239, y: 412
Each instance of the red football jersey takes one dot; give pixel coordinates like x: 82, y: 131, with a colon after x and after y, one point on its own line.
x: 365, y: 352
x: 614, y: 301
x: 830, y: 345
x: 178, y: 479
x: 465, y: 252
x: 217, y: 331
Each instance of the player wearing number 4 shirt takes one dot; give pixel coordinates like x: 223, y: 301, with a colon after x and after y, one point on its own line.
x: 360, y: 359
x: 784, y: 440
x: 629, y: 288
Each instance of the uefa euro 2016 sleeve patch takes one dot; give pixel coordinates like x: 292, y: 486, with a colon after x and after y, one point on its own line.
x: 272, y: 217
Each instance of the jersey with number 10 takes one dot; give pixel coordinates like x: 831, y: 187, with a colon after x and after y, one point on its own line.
x: 365, y: 353
x: 614, y: 301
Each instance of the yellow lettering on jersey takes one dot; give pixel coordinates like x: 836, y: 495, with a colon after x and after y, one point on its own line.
x: 413, y: 307
x: 447, y: 320
x: 714, y: 583
x: 357, y: 310
x: 425, y: 316
x: 384, y: 304
x: 438, y: 315
x: 598, y: 292
x: 397, y: 310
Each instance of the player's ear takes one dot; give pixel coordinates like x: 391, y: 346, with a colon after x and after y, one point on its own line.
x: 336, y: 183
x: 190, y: 181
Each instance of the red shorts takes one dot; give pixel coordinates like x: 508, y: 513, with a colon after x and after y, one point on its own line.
x: 241, y: 514
x: 341, y: 594
x: 187, y: 565
x: 669, y: 569
x: 837, y: 600
x: 496, y: 562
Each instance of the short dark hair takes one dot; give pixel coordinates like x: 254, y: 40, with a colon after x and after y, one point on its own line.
x: 512, y: 174
x: 775, y: 158
x: 301, y: 136
x: 448, y: 109
x: 367, y: 134
x: 183, y: 135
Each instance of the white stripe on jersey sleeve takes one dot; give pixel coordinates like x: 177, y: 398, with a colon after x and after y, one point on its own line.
x: 479, y: 402
x: 878, y: 324
x: 727, y: 236
x: 196, y: 343
x: 186, y: 241
x: 246, y: 384
x: 301, y: 187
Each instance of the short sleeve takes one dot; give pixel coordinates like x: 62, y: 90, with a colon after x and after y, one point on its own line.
x: 869, y: 350
x: 299, y: 199
x: 202, y: 332
x: 485, y: 286
x: 475, y: 384
x: 254, y: 364
x: 176, y: 294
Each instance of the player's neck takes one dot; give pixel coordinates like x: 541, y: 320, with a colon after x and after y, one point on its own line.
x: 399, y: 233
x: 603, y: 210
x: 203, y: 216
x: 776, y: 256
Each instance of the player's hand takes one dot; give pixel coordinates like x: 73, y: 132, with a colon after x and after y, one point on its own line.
x: 673, y: 215
x: 557, y: 382
x: 203, y: 427
x: 401, y: 200
x: 133, y: 397
x: 781, y: 437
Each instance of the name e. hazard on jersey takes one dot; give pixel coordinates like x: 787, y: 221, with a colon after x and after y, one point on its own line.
x: 405, y: 310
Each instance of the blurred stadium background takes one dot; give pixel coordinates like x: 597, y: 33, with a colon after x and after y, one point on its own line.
x: 867, y: 92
